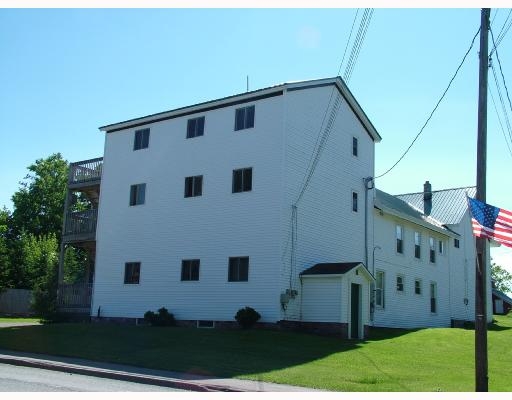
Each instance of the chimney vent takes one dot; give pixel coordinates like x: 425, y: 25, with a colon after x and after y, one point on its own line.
x: 427, y: 198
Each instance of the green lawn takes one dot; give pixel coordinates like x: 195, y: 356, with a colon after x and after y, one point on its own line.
x: 18, y: 319
x: 440, y: 359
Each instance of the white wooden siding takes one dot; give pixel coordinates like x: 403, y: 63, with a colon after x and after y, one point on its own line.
x: 322, y: 299
x: 407, y: 309
x: 327, y: 228
x: 212, y: 228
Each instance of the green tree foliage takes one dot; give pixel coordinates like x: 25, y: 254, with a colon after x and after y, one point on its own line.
x: 41, y: 263
x: 502, y: 278
x: 74, y: 265
x: 39, y: 203
x: 5, y: 264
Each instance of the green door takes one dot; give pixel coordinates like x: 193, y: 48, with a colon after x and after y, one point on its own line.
x: 354, y: 311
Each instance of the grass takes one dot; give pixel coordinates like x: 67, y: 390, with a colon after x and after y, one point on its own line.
x: 440, y: 359
x: 18, y: 319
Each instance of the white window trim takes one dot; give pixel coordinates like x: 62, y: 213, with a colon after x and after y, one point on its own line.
x: 421, y: 287
x: 401, y: 292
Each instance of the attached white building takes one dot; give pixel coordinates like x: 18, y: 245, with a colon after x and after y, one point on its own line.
x: 424, y: 259
x: 262, y: 199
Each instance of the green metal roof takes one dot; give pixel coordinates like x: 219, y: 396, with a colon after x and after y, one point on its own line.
x: 394, y: 205
x: 448, y: 205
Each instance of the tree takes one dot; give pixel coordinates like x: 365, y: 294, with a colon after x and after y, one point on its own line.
x: 5, y: 264
x: 39, y: 203
x: 502, y: 278
x: 41, y: 263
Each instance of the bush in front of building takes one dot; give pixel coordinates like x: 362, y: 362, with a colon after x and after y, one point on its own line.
x: 162, y: 318
x: 247, y: 317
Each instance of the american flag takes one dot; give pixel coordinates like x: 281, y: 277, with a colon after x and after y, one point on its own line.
x: 491, y: 222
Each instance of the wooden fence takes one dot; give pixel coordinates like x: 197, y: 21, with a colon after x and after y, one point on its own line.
x: 15, y: 302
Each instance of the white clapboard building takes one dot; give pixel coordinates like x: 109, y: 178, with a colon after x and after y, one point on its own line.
x: 266, y: 199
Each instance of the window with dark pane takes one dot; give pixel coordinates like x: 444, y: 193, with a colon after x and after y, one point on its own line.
x: 195, y: 127
x: 238, y: 269
x: 137, y: 194
x: 399, y: 239
x: 131, y: 273
x: 242, y: 180
x: 400, y: 283
x: 354, y: 146
x: 190, y: 270
x: 417, y: 245
x: 433, y: 297
x: 141, y: 140
x: 417, y: 286
x: 194, y: 186
x: 244, y: 118
x: 432, y: 250
x: 354, y: 201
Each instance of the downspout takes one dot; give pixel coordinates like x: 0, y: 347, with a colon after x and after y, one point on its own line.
x: 368, y: 185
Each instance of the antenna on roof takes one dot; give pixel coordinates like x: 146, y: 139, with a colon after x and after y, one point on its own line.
x: 247, y: 82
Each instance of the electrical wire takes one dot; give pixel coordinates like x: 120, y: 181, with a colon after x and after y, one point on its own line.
x: 356, y: 47
x: 501, y: 71
x: 502, y: 33
x: 502, y: 102
x: 435, y: 108
x: 348, y: 41
x: 499, y: 120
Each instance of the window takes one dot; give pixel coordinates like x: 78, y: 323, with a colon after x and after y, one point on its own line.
x: 244, y: 118
x: 354, y: 201
x: 242, y: 180
x: 137, y: 194
x: 131, y: 273
x: 399, y: 240
x: 238, y: 269
x: 195, y: 127
x: 354, y: 146
x: 433, y: 297
x: 194, y: 186
x: 417, y: 245
x: 441, y: 247
x: 379, y: 289
x: 456, y: 243
x: 399, y: 283
x: 432, y: 250
x: 141, y: 140
x: 417, y: 286
x: 190, y: 270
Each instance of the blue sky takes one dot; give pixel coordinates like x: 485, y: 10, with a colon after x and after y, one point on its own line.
x: 64, y: 73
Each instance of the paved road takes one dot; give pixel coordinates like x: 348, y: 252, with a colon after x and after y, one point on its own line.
x: 24, y: 379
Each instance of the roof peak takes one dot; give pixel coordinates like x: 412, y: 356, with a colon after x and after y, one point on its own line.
x: 437, y: 191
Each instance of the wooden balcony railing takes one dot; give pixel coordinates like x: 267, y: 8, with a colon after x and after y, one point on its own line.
x: 80, y: 223
x: 85, y: 171
x: 75, y: 296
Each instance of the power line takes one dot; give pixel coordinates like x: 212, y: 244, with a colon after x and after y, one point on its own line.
x: 501, y: 71
x: 435, y: 108
x: 356, y: 47
x: 502, y: 102
x: 502, y: 33
x: 348, y: 41
x: 321, y: 139
x: 499, y: 120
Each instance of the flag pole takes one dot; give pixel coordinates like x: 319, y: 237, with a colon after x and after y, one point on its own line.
x: 481, y: 376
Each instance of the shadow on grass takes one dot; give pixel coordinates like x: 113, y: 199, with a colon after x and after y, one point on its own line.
x: 494, y: 326
x: 214, y: 352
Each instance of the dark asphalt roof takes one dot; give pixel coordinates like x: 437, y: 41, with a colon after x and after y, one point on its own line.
x: 448, y: 205
x: 330, y: 268
x: 502, y: 296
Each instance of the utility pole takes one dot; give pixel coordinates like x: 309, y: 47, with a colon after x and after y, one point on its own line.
x: 481, y: 377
